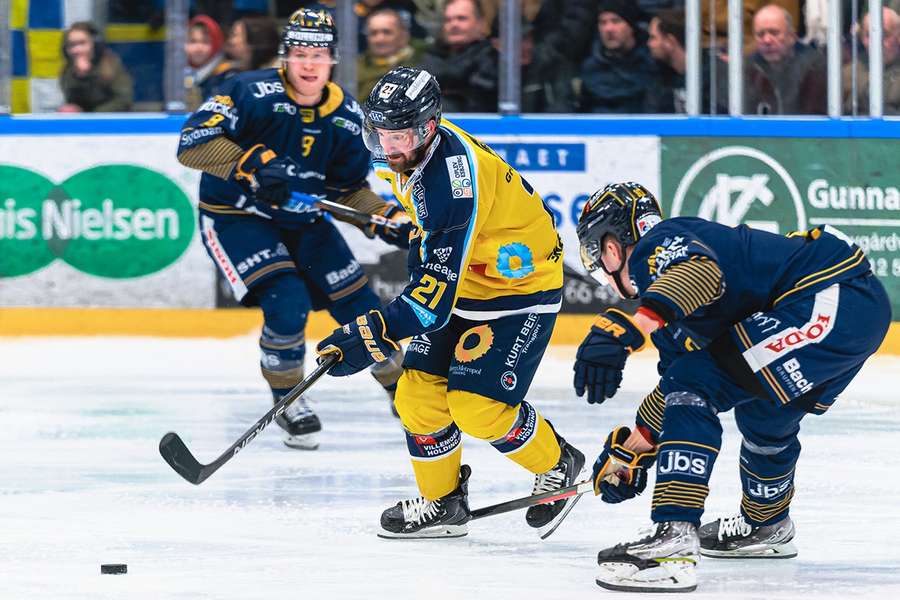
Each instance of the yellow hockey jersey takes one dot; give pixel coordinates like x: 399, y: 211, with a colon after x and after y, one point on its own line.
x: 488, y: 245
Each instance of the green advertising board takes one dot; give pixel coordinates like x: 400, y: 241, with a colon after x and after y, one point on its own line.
x: 784, y: 185
x: 115, y: 221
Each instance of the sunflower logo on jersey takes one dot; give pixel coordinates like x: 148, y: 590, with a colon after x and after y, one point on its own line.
x: 474, y: 344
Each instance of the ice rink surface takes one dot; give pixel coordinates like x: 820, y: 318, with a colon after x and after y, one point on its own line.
x: 82, y: 483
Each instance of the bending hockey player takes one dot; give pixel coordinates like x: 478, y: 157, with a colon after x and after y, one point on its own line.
x: 773, y: 327
x: 266, y: 135
x: 485, y: 288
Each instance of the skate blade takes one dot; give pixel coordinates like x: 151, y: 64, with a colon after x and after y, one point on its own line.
x: 548, y: 529
x: 622, y: 587
x: 787, y: 550
x: 308, y: 441
x: 662, y: 579
x: 442, y: 531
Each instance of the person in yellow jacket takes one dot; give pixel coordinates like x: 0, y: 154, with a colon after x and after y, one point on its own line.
x: 485, y: 287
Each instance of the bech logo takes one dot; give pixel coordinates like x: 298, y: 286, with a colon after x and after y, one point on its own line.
x: 730, y: 197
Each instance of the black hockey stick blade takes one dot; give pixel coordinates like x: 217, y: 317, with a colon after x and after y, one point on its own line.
x: 504, y: 507
x: 175, y: 452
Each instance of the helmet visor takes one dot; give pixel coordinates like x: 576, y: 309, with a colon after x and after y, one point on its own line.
x: 591, y: 258
x: 385, y: 143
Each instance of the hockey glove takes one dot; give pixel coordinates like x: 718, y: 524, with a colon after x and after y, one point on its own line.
x: 395, y: 229
x: 601, y: 356
x: 358, y: 344
x: 266, y: 176
x: 619, y: 473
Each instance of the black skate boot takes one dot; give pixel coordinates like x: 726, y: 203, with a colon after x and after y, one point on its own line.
x: 734, y: 537
x: 421, y: 518
x: 568, y: 471
x: 663, y: 560
x: 301, y: 425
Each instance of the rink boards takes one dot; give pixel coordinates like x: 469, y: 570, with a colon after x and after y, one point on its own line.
x: 98, y: 227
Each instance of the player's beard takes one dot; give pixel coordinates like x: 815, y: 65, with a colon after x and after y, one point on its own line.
x: 407, y: 161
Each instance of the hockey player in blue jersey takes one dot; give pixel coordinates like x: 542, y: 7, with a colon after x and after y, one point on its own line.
x: 271, y: 143
x: 772, y: 326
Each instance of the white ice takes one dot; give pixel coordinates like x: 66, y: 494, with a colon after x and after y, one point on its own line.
x: 82, y: 483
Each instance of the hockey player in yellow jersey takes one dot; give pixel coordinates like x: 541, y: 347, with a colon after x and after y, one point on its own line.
x: 485, y: 286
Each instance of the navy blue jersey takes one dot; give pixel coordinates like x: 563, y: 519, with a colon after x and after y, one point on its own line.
x: 759, y: 270
x: 259, y: 107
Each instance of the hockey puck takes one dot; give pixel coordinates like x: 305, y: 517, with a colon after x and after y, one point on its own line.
x: 114, y: 569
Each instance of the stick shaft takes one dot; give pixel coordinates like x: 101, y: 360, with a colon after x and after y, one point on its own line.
x: 504, y: 507
x: 176, y: 453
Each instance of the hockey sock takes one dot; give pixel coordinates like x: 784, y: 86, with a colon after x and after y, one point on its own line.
x: 767, y: 481
x: 688, y: 446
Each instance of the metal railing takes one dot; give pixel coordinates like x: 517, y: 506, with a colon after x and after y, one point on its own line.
x: 510, y: 60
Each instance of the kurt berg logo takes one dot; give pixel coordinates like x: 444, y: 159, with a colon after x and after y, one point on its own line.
x: 116, y: 221
x: 739, y: 184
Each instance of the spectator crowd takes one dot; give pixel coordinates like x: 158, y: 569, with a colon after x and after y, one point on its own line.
x: 588, y: 56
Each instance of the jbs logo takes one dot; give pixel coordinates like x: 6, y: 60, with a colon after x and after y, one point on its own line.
x: 693, y: 464
x: 792, y: 368
x: 804, y: 336
x: 267, y: 88
x: 758, y: 489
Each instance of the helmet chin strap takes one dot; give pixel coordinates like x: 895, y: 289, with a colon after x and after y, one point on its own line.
x: 617, y: 277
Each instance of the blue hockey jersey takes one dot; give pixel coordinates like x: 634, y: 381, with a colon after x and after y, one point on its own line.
x: 259, y: 107
x: 755, y: 271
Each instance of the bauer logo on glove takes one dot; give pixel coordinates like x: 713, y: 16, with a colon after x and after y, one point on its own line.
x: 358, y: 344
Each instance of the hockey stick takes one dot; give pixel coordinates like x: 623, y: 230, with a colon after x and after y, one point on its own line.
x: 356, y: 216
x: 504, y: 507
x: 176, y: 453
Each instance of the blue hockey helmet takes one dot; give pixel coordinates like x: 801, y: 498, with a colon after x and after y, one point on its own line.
x: 310, y: 29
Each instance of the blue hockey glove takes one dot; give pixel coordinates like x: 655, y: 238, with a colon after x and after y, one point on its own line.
x: 266, y: 176
x: 619, y: 473
x: 601, y: 356
x: 396, y: 228
x: 358, y: 344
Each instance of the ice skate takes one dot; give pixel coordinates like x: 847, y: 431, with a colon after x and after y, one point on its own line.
x: 300, y: 424
x: 663, y: 560
x: 568, y: 471
x: 734, y: 537
x: 420, y: 518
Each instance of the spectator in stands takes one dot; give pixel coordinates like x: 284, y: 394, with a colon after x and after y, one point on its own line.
x: 619, y: 72
x: 253, y: 43
x: 93, y: 78
x: 783, y: 76
x: 207, y: 67
x: 890, y: 54
x: 388, y: 45
x: 463, y: 60
x: 666, y: 44
x: 556, y: 38
x: 405, y: 8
